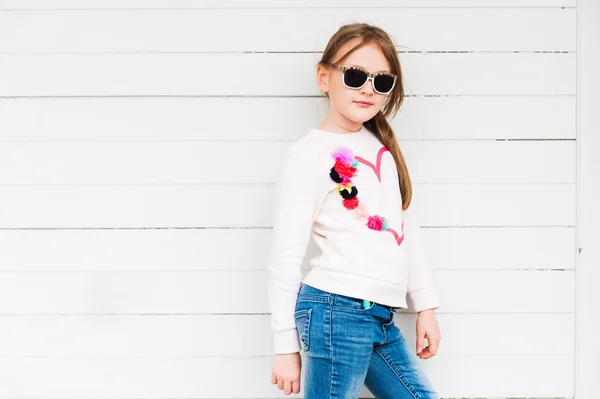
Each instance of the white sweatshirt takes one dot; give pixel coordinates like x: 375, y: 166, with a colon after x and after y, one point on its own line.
x: 342, y: 190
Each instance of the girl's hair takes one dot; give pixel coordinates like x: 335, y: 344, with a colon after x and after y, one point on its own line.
x: 378, y: 124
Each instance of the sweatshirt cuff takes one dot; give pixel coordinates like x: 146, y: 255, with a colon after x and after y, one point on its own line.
x: 425, y: 299
x: 286, y: 341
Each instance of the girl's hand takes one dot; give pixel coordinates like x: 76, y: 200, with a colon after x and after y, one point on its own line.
x: 427, y: 328
x: 286, y: 372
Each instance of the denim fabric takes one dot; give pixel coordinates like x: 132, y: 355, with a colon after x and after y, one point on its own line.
x: 346, y: 347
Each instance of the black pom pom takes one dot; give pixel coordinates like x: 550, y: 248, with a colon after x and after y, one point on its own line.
x: 349, y: 195
x: 335, y: 176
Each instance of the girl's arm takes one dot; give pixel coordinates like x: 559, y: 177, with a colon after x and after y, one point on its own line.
x: 299, y: 194
x: 421, y: 285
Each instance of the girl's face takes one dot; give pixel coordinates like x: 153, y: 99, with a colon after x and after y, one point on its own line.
x: 345, y: 104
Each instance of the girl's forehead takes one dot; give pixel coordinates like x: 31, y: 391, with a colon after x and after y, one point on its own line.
x: 369, y: 70
x: 369, y: 58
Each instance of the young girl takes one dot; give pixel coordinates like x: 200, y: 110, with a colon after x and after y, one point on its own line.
x: 346, y: 185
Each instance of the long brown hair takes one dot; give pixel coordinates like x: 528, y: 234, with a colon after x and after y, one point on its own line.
x: 378, y: 124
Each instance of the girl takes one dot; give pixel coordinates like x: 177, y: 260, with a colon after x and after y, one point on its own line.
x: 346, y: 185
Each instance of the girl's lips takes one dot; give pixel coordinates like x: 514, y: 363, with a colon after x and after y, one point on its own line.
x: 363, y: 103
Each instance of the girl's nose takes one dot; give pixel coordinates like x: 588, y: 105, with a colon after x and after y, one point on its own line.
x: 368, y: 87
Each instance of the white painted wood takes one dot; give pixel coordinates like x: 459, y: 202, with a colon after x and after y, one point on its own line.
x: 219, y: 335
x: 502, y: 377
x: 186, y: 292
x: 531, y: 248
x: 587, y: 363
x: 209, y: 377
x: 185, y: 74
x: 206, y: 206
x: 266, y: 118
x: 482, y: 248
x: 116, y: 241
x: 496, y: 205
x: 433, y: 162
x: 412, y: 29
x: 191, y: 4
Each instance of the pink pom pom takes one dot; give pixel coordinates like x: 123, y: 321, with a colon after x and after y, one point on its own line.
x: 375, y: 222
x: 361, y: 212
x: 344, y: 155
x: 346, y: 181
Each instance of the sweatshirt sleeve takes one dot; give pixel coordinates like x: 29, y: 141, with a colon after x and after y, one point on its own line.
x: 299, y: 194
x: 421, y: 285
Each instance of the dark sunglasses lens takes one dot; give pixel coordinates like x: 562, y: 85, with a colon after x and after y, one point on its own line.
x: 384, y: 83
x: 354, y: 77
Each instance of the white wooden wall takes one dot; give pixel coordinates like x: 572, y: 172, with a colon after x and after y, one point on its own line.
x: 136, y: 188
x: 587, y: 330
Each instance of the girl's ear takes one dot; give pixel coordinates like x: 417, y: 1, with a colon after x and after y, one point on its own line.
x: 323, y: 78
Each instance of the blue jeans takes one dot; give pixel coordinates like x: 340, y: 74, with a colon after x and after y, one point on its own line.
x: 346, y: 347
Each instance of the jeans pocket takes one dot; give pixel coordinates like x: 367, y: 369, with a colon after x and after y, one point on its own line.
x: 303, y: 317
x: 350, y: 304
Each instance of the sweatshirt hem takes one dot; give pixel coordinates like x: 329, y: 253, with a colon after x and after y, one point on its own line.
x: 357, y: 286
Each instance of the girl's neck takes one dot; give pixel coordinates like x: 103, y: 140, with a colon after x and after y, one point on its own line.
x: 332, y: 127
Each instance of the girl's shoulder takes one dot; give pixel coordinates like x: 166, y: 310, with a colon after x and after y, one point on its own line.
x: 308, y: 157
x: 309, y: 145
x: 317, y: 148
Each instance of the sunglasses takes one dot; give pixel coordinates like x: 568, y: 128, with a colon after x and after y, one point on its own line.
x: 355, y: 78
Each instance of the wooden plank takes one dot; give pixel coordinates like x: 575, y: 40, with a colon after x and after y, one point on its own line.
x: 587, y: 357
x: 208, y: 377
x: 218, y: 335
x: 193, y: 4
x: 149, y: 206
x: 531, y: 248
x: 411, y: 29
x: 489, y: 162
x: 483, y: 248
x: 496, y: 205
x: 267, y: 118
x: 178, y: 74
x: 119, y: 206
x: 191, y: 292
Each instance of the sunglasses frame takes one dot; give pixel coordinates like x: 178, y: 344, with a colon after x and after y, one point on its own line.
x: 370, y: 76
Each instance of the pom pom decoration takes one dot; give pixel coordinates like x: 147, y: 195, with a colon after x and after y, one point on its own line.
x: 350, y: 203
x: 335, y: 176
x: 361, y: 212
x: 377, y: 222
x: 348, y: 194
x: 345, y: 156
x: 344, y: 168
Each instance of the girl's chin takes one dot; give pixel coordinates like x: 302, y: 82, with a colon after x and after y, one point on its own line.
x: 363, y: 114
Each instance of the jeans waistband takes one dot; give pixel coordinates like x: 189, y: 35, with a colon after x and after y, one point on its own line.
x: 313, y: 294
